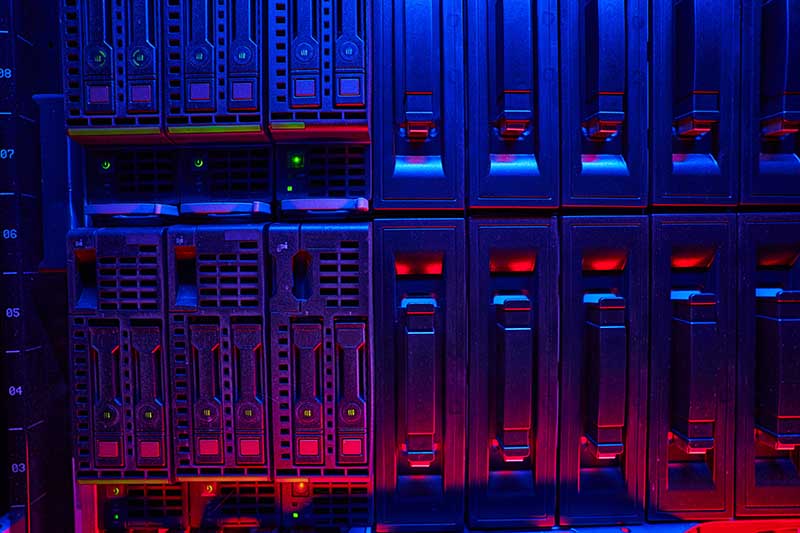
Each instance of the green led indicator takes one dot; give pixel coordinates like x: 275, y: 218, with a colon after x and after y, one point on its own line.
x: 106, y: 165
x: 99, y: 58
x: 295, y: 515
x: 289, y: 188
x: 139, y: 58
x: 116, y: 516
x: 199, y: 163
x: 296, y: 161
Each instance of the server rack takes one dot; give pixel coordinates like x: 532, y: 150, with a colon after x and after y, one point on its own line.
x: 413, y: 265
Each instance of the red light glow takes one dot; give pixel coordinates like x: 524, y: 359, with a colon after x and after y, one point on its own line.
x: 774, y: 257
x: 512, y: 261
x: 604, y: 261
x: 88, y: 255
x: 185, y: 253
x: 692, y: 258
x: 748, y: 526
x: 419, y: 263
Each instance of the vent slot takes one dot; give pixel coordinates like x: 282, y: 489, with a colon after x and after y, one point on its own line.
x: 341, y: 504
x: 132, y: 175
x: 129, y: 283
x: 237, y: 172
x: 237, y: 501
x: 337, y: 171
x: 86, y: 282
x: 228, y: 280
x: 339, y: 281
x: 301, y: 268
x: 186, y: 276
x: 148, y: 505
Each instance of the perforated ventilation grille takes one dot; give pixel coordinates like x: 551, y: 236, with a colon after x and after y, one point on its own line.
x: 229, y: 279
x: 244, y: 500
x: 337, y: 171
x: 79, y: 359
x: 180, y: 398
x: 72, y: 54
x: 129, y: 283
x: 341, y: 504
x: 281, y: 390
x: 234, y: 172
x: 339, y: 280
x: 280, y: 43
x: 135, y: 173
x: 174, y: 59
x: 155, y: 503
